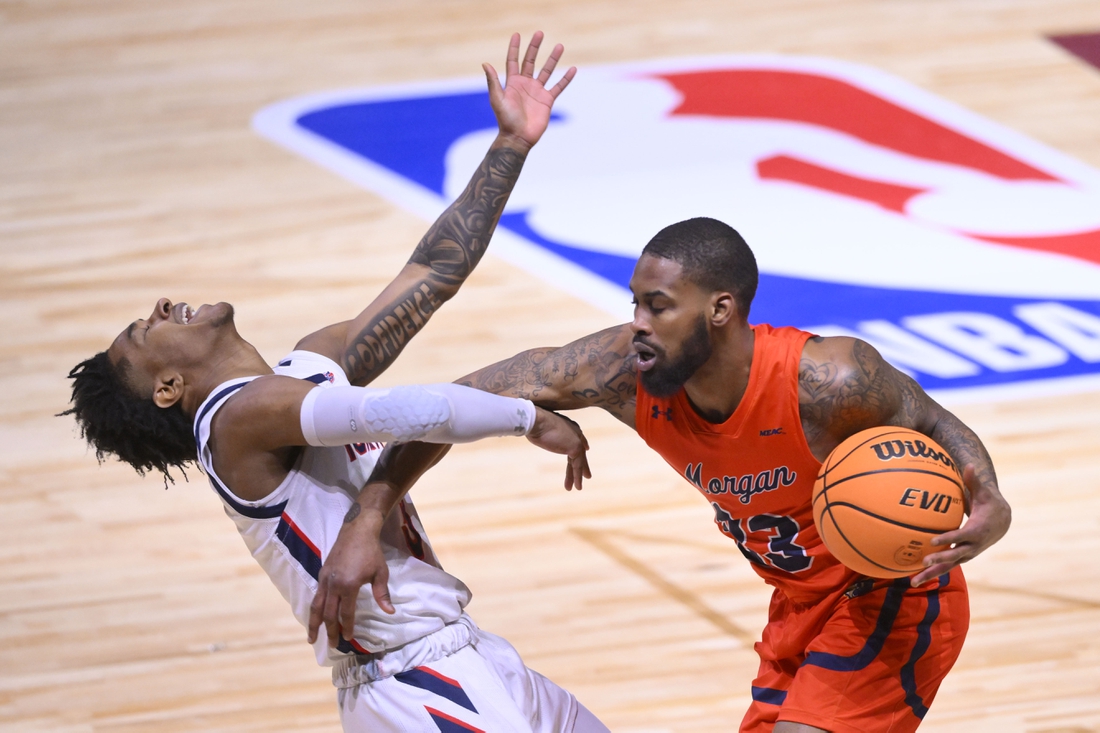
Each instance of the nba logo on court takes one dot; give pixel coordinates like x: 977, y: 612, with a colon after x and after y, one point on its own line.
x: 967, y: 253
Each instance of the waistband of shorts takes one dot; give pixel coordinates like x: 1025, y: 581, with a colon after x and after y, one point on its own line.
x: 360, y: 669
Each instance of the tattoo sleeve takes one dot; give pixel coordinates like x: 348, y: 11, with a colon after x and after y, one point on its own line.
x: 859, y: 389
x: 596, y: 371
x: 458, y: 239
x: 381, y: 339
x: 921, y: 412
x: 450, y: 250
x: 965, y: 446
x: 841, y: 396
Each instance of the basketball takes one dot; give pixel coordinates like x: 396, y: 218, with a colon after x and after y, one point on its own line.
x: 882, y: 495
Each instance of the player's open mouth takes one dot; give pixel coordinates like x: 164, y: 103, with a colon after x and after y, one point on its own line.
x: 646, y: 356
x: 184, y: 313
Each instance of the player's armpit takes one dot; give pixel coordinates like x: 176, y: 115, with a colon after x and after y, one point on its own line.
x: 599, y: 370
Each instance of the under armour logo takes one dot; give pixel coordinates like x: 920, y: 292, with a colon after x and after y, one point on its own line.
x: 657, y: 412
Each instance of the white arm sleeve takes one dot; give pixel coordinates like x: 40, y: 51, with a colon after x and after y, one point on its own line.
x: 435, y: 413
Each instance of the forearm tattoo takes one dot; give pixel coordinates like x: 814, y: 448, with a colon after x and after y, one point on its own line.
x: 379, y: 343
x: 965, y: 446
x: 451, y: 249
x: 458, y: 239
x: 596, y: 371
x: 921, y: 412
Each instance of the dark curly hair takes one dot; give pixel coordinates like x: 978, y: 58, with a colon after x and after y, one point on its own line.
x: 713, y: 255
x: 116, y: 421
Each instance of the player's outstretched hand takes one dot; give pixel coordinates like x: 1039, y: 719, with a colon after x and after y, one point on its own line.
x: 558, y: 434
x: 989, y: 519
x: 523, y: 104
x: 352, y: 563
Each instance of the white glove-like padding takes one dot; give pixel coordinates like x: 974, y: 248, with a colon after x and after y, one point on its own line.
x: 434, y: 413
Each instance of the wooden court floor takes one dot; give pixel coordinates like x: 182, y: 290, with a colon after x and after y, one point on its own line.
x: 128, y: 171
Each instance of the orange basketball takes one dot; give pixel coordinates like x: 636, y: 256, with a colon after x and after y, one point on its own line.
x: 881, y: 496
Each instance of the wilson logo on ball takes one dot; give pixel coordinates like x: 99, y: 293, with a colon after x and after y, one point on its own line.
x: 890, y: 449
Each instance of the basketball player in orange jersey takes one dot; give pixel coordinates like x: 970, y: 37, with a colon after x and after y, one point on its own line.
x: 746, y: 414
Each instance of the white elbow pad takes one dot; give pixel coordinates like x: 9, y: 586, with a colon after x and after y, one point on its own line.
x: 476, y: 415
x: 436, y: 413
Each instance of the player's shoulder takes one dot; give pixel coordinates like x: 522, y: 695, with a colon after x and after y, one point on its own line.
x: 839, y: 369
x: 613, y: 346
x: 844, y: 386
x: 842, y: 352
x: 610, y: 352
x: 260, y: 400
x: 265, y: 411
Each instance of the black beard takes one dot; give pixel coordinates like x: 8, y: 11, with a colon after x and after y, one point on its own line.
x: 665, y: 381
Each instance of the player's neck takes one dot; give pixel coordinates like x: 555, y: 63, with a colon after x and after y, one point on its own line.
x: 238, y: 360
x: 716, y: 389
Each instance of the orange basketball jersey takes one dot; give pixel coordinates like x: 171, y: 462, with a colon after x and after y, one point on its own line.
x: 755, y: 469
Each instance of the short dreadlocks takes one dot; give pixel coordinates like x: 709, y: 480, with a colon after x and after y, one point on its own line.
x: 116, y: 421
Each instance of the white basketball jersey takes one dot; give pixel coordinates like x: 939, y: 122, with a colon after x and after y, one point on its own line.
x: 291, y: 531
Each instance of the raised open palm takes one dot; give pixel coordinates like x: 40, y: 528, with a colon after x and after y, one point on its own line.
x: 523, y: 104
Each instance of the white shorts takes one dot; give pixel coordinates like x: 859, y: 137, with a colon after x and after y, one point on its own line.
x: 459, y: 679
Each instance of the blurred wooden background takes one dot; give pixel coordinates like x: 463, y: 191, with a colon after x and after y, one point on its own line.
x: 128, y: 171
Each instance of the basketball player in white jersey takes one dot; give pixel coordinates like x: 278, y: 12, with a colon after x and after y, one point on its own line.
x: 289, y: 448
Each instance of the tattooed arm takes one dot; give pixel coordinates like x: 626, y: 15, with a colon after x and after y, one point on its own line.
x: 335, y: 601
x: 845, y: 386
x: 448, y: 253
x: 599, y: 370
x: 357, y: 558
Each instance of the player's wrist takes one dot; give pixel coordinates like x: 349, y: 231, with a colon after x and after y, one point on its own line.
x: 540, y: 422
x: 513, y: 142
x: 369, y: 513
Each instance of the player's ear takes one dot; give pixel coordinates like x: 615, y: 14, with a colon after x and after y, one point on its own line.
x: 168, y: 389
x: 723, y: 309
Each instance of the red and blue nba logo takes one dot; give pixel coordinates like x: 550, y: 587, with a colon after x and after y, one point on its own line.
x: 968, y: 254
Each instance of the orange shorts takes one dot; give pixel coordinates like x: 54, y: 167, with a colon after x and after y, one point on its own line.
x: 865, y: 660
